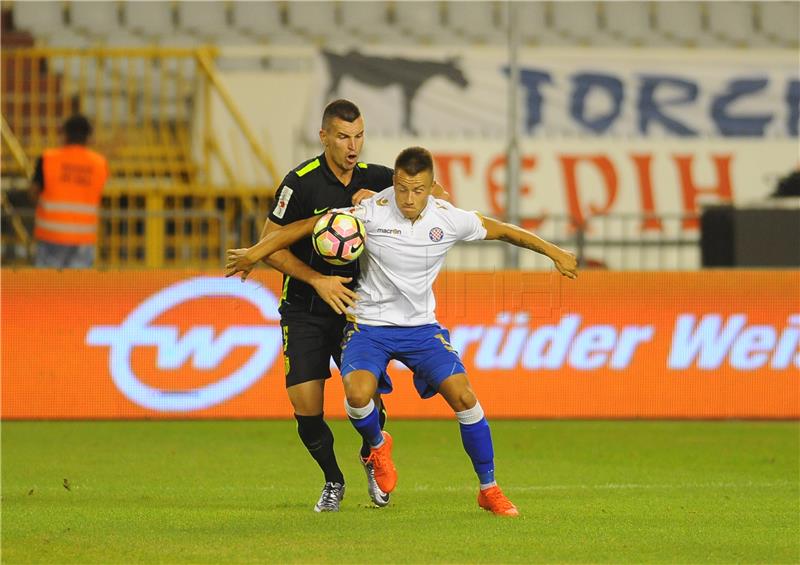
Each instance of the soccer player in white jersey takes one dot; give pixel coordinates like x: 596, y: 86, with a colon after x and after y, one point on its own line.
x: 408, y: 235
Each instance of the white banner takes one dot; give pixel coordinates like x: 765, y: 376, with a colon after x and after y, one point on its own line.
x: 589, y: 179
x: 645, y: 93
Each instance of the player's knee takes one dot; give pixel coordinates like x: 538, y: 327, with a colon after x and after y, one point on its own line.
x: 358, y: 393
x: 465, y: 399
x: 358, y: 399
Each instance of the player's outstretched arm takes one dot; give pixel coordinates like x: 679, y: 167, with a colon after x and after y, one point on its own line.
x: 243, y: 260
x: 564, y: 261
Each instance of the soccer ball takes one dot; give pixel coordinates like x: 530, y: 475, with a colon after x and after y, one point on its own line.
x: 339, y: 238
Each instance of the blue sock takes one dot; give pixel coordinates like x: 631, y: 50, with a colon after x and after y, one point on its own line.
x: 367, y: 422
x: 477, y: 440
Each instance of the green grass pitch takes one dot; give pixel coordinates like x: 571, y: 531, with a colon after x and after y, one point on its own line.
x: 243, y: 492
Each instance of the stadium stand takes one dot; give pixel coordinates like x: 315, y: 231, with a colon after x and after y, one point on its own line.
x: 202, y: 22
x: 682, y: 23
x: 577, y: 21
x: 98, y: 19
x: 317, y: 22
x: 779, y: 22
x: 150, y: 20
x: 629, y: 23
x: 141, y: 92
x: 261, y: 22
x: 368, y: 20
x: 732, y: 23
x: 476, y: 22
x: 42, y: 19
x: 672, y: 23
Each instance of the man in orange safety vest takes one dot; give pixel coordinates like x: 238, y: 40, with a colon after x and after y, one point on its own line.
x: 67, y: 187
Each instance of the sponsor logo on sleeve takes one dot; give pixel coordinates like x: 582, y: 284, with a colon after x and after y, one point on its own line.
x: 283, y: 201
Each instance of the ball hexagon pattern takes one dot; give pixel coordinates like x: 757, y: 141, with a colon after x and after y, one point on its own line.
x: 339, y: 238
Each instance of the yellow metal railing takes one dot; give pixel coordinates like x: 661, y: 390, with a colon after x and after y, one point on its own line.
x: 161, y: 208
x: 12, y: 143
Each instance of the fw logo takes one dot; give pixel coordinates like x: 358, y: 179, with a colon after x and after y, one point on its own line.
x: 197, y: 345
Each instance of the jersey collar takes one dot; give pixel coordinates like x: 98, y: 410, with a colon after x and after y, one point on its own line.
x: 326, y: 170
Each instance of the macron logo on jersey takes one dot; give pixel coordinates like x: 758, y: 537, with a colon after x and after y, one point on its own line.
x: 389, y: 231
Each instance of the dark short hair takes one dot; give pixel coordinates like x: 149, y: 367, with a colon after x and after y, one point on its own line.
x: 414, y: 160
x: 342, y: 109
x: 77, y: 129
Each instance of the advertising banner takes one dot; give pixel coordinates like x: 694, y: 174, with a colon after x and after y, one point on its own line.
x: 437, y: 92
x: 590, y: 179
x: 459, y: 97
x: 131, y: 345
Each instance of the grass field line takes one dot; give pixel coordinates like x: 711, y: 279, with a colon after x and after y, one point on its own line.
x: 603, y: 486
x: 628, y: 486
x: 511, y: 488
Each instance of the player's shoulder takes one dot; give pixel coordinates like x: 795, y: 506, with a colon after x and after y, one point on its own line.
x: 378, y: 205
x: 375, y: 172
x: 382, y: 198
x: 303, y: 176
x: 307, y: 167
x: 445, y: 208
x: 300, y: 175
x: 451, y: 213
x: 374, y: 168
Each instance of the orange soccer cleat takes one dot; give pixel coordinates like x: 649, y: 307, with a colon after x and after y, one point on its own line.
x: 493, y: 500
x: 381, y: 460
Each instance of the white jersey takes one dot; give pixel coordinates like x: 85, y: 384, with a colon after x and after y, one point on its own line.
x: 403, y: 259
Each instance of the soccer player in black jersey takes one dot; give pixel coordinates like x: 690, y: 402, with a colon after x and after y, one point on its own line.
x: 315, y: 293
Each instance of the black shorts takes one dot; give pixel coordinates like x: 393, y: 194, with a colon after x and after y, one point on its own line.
x: 309, y: 343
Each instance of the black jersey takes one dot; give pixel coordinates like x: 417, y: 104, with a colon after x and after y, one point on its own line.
x: 308, y: 190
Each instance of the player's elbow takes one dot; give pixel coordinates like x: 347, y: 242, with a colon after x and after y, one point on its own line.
x: 276, y: 259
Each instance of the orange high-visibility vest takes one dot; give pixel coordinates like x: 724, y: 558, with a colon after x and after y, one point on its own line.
x: 67, y: 211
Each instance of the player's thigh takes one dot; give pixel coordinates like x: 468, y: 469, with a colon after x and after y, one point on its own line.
x: 365, y: 348
x: 306, y: 351
x: 458, y: 393
x: 360, y: 387
x: 426, y: 350
x: 336, y: 337
x: 307, y: 398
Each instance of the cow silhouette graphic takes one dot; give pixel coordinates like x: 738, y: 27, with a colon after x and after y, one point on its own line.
x: 381, y: 72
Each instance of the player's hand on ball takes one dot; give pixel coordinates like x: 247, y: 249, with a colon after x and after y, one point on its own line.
x: 239, y: 262
x: 332, y: 290
x: 362, y: 194
x: 567, y: 264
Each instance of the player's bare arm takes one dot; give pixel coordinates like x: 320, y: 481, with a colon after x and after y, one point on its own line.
x: 564, y: 261
x: 272, y: 249
x: 243, y: 260
x: 330, y: 288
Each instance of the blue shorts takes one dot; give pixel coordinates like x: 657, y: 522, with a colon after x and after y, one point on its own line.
x: 426, y: 350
